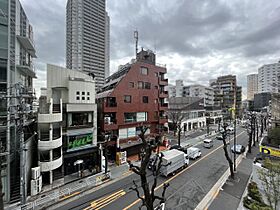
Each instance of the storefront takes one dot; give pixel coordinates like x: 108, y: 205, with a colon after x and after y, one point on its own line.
x: 80, y: 154
x: 90, y: 160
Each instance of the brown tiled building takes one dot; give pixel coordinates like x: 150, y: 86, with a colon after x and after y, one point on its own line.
x: 133, y: 96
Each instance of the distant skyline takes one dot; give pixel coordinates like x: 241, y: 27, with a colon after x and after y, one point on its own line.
x: 198, y: 40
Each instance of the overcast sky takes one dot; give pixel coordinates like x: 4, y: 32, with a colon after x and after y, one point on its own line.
x: 198, y: 40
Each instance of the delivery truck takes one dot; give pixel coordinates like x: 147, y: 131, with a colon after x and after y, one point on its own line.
x: 194, y: 152
x: 172, y: 161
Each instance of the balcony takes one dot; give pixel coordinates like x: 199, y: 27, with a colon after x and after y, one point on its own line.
x: 49, y: 145
x: 51, y: 165
x: 112, y: 125
x: 163, y: 107
x: 163, y: 94
x: 110, y: 107
x: 163, y: 119
x: 50, y: 118
x: 163, y: 82
x: 27, y: 69
x: 111, y: 104
x: 52, y: 114
x: 27, y: 44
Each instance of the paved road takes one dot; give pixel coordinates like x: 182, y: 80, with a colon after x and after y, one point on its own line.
x: 186, y: 190
x: 191, y: 136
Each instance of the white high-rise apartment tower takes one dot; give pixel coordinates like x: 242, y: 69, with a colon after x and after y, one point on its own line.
x: 252, y: 86
x: 86, y: 48
x: 268, y: 78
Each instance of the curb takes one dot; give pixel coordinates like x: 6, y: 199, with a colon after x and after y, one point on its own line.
x: 85, y: 192
x: 211, y: 195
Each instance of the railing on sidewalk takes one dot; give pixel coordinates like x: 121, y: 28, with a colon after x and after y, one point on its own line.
x: 59, y: 195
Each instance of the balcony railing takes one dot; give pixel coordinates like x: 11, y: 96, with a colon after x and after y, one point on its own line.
x: 45, y: 136
x: 111, y: 104
x: 56, y: 108
x: 163, y: 81
x: 80, y: 126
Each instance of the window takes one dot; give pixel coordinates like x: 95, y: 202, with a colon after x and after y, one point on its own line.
x: 144, y: 71
x: 145, y: 99
x: 80, y: 119
x: 78, y: 93
x: 147, y: 85
x: 83, y: 93
x: 131, y: 84
x: 127, y: 99
x: 140, y: 85
x: 130, y: 117
x: 78, y: 98
x: 83, y: 98
x: 88, y: 98
x: 144, y: 85
x: 88, y: 93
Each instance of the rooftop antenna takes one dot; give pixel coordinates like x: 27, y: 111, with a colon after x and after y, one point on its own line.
x: 136, y: 42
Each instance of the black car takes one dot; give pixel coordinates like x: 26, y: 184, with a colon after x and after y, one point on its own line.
x: 219, y: 137
x: 180, y: 148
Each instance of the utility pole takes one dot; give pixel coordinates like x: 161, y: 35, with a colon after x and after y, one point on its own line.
x: 19, y: 110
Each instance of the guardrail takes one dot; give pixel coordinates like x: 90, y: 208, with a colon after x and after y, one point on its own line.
x: 65, y: 193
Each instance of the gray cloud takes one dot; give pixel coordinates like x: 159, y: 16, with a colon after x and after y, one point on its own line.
x: 198, y: 40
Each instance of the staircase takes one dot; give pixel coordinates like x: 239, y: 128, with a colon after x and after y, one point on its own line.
x: 15, y: 190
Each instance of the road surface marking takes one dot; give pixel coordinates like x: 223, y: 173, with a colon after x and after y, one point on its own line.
x: 176, y: 175
x: 127, y: 173
x: 69, y: 196
x: 104, y: 201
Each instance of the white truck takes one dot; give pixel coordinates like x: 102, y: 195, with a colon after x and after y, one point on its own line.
x: 172, y: 161
x: 194, y: 152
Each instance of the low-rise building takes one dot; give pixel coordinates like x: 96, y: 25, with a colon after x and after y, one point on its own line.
x: 67, y: 125
x: 201, y: 91
x: 194, y: 112
x: 133, y: 96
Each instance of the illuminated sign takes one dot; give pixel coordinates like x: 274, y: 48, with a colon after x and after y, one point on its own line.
x: 79, y: 141
x: 270, y: 151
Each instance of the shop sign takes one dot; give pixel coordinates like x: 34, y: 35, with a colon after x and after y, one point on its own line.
x: 131, y: 132
x: 270, y: 151
x: 141, y: 116
x: 79, y: 141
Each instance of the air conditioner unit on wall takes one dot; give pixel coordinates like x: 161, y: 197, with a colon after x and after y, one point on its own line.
x: 35, y: 172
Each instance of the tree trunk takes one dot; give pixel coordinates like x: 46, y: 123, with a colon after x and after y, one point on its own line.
x: 254, y: 130
x: 179, y: 136
x: 145, y: 187
x: 250, y: 142
x: 230, y: 163
x: 257, y: 127
x: 261, y: 127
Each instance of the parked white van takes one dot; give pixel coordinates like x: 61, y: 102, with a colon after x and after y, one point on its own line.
x: 208, y: 143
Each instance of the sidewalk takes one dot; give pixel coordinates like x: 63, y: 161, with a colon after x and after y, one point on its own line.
x: 69, y: 190
x: 231, y: 194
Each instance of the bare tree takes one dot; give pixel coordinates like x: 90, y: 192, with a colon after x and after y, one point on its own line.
x: 176, y: 116
x: 230, y: 163
x: 270, y: 177
x: 149, y: 192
